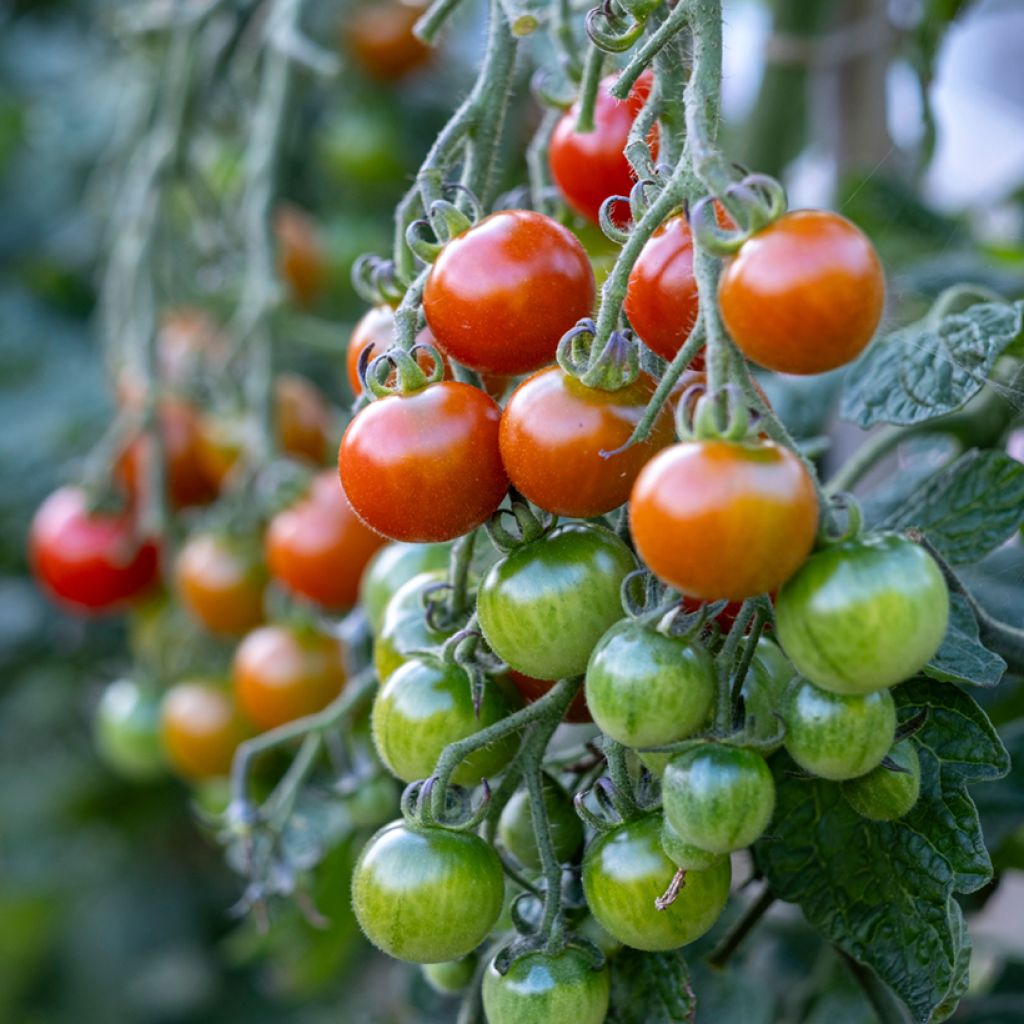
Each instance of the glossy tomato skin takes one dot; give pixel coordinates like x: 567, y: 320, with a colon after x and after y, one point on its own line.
x: 516, y: 828
x: 554, y: 429
x: 380, y: 37
x: 501, y: 295
x: 646, y: 689
x: 220, y: 583
x: 722, y: 519
x: 543, y: 989
x: 683, y: 854
x: 718, y: 798
x: 126, y: 727
x: 835, y: 735
x: 545, y: 605
x: 282, y: 673
x: 424, y: 706
x: 425, y: 467
x: 883, y: 794
x: 626, y: 870
x: 661, y: 298
x: 318, y: 547
x: 404, y: 628
x: 803, y: 295
x: 200, y: 728
x: 588, y: 167
x: 864, y: 614
x: 89, y: 562
x: 531, y: 689
x: 390, y: 568
x: 427, y: 895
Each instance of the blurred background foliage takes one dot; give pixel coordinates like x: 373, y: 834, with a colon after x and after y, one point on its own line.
x: 113, y: 904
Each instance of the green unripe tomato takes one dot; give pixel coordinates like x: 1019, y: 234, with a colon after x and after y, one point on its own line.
x: 768, y: 676
x: 717, y: 797
x: 374, y: 802
x: 543, y: 989
x: 834, y: 735
x: 404, y: 628
x: 683, y: 854
x: 545, y: 605
x: 391, y: 567
x: 591, y: 928
x: 863, y: 614
x: 451, y: 976
x: 427, y: 704
x: 626, y: 870
x: 126, y: 728
x: 885, y: 795
x: 645, y: 689
x: 515, y: 826
x: 427, y: 895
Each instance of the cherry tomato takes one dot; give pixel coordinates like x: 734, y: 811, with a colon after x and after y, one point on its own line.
x: 200, y: 728
x: 864, y: 614
x: 404, y: 628
x: 318, y: 548
x: 283, y: 673
x: 379, y: 35
x: 220, y: 583
x: 188, y: 482
x: 803, y: 295
x: 424, y: 706
x: 451, y: 976
x: 718, y: 798
x: 391, y: 567
x: 516, y: 828
x: 545, y: 605
x: 884, y: 794
x: 721, y: 519
x: 768, y: 676
x: 89, y: 561
x: 376, y: 332
x: 834, y: 735
x: 501, y: 295
x: 645, y: 689
x: 540, y: 988
x: 301, y: 260
x: 530, y: 689
x: 302, y: 418
x: 425, y: 466
x: 126, y: 727
x: 588, y: 167
x: 626, y: 870
x: 683, y: 854
x: 554, y: 429
x: 427, y: 895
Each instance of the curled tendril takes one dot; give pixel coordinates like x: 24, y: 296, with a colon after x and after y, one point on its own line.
x: 611, y: 30
x: 375, y: 280
x: 607, y: 223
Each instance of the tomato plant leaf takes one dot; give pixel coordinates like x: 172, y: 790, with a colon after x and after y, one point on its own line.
x: 969, y: 508
x: 930, y: 367
x: 884, y: 891
x: 963, y: 658
x: 651, y: 988
x: 1001, y: 805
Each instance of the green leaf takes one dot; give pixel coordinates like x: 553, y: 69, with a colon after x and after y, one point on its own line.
x: 969, y: 508
x: 963, y: 658
x: 651, y: 988
x: 931, y: 367
x: 1001, y: 805
x: 884, y: 891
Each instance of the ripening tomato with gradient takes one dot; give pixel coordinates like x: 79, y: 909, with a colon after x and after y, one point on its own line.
x: 220, y: 581
x: 500, y: 296
x: 556, y: 434
x: 803, y: 295
x: 89, y: 561
x: 425, y: 466
x: 588, y: 167
x: 200, y: 728
x: 380, y: 36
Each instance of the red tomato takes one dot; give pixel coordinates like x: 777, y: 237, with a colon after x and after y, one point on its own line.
x: 721, y: 519
x: 530, y: 689
x: 425, y: 466
x: 588, y: 167
x: 89, y: 561
x: 200, y: 728
x: 379, y: 35
x: 283, y: 673
x: 318, y: 547
x: 220, y: 583
x: 554, y: 429
x: 301, y: 261
x: 501, y: 295
x: 376, y: 331
x: 302, y: 418
x: 803, y: 295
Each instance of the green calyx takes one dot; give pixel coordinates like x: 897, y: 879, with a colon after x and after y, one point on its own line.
x: 721, y: 415
x: 409, y: 376
x: 615, y: 366
x: 752, y: 204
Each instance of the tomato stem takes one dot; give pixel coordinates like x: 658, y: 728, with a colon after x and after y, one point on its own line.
x: 761, y: 617
x: 726, y: 659
x: 587, y: 100
x: 655, y: 42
